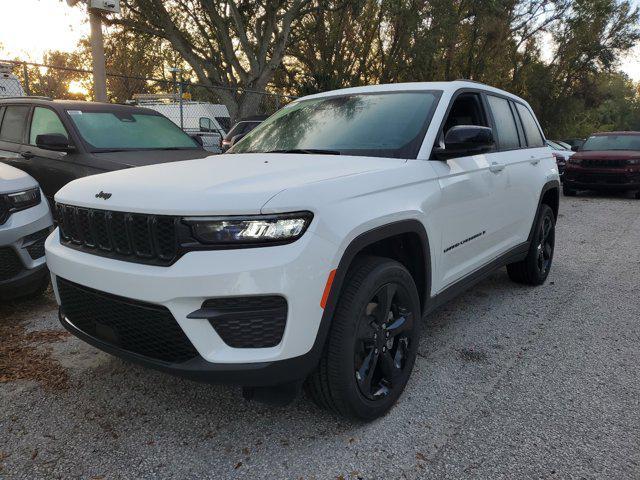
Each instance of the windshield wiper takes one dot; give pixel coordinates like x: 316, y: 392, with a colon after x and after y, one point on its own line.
x: 309, y: 151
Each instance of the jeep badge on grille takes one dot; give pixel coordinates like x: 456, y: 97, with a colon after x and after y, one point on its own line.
x: 104, y: 195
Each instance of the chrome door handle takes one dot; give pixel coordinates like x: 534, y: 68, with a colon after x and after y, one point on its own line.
x: 496, y: 167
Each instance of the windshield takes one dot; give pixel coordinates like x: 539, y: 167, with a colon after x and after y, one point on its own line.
x: 612, y: 142
x: 119, y: 131
x: 379, y: 124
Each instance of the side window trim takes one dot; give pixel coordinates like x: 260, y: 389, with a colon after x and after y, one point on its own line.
x: 519, y: 127
x: 535, y: 121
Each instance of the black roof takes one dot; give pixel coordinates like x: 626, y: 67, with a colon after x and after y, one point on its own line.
x: 62, y: 105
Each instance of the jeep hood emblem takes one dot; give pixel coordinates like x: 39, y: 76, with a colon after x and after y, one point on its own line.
x: 104, y: 195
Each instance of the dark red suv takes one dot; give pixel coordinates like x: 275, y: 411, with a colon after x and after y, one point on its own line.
x: 606, y: 161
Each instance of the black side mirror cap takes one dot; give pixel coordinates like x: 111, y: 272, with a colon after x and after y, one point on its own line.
x: 54, y: 141
x: 463, y: 140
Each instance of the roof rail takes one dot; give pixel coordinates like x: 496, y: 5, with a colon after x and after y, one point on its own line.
x: 36, y: 97
x: 472, y: 81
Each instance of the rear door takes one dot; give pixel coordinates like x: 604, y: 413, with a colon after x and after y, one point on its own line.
x: 530, y: 173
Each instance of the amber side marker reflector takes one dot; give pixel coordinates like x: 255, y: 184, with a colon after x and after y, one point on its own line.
x: 327, y: 289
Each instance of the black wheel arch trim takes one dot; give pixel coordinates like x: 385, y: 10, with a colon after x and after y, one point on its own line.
x: 550, y: 185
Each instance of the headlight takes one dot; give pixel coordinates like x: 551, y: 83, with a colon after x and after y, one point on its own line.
x: 633, y: 161
x: 24, y: 199
x: 574, y: 161
x: 253, y: 229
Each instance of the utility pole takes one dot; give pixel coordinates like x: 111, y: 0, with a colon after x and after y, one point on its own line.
x: 97, y: 54
x: 95, y: 7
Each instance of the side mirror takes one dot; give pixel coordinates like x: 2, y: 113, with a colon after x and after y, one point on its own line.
x: 198, y: 139
x: 463, y: 140
x: 53, y: 141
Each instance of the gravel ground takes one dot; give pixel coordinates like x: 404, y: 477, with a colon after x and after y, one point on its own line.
x: 511, y: 382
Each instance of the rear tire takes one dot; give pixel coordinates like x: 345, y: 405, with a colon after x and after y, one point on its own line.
x: 534, y: 269
x: 568, y: 192
x: 372, y: 344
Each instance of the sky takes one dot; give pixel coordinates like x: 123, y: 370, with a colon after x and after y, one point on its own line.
x: 52, y: 25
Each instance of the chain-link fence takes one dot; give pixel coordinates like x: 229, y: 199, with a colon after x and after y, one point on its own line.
x: 199, y: 109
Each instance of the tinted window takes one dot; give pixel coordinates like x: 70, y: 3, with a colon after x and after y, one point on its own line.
x: 377, y: 124
x: 505, y: 126
x: 241, y: 127
x: 612, y: 142
x: 45, y: 121
x: 13, y: 124
x: 531, y: 130
x: 124, y: 131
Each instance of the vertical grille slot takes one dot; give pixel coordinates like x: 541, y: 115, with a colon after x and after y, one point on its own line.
x: 132, y: 237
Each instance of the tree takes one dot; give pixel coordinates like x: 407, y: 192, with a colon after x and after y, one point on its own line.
x: 230, y: 45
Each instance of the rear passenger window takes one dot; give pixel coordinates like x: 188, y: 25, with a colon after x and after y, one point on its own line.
x: 531, y: 130
x: 14, y: 123
x: 506, y: 129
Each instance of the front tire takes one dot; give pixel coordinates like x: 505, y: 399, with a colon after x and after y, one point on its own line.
x: 372, y: 343
x: 534, y: 269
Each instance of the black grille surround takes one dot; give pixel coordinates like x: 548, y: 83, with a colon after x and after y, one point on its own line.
x: 10, y: 264
x: 140, y: 328
x: 603, y: 163
x: 132, y: 237
x: 246, y: 322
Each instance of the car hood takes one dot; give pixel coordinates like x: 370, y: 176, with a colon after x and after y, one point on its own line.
x: 12, y: 179
x: 222, y: 185
x: 607, y: 155
x: 142, y: 158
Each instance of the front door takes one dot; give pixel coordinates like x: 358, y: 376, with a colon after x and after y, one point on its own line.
x: 470, y: 188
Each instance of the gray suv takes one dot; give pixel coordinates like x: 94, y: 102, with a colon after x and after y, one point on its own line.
x: 25, y: 222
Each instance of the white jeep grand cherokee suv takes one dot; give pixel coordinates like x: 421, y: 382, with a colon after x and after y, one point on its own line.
x: 313, y: 249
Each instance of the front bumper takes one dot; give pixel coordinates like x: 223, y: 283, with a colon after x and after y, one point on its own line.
x: 21, y: 236
x: 297, y: 272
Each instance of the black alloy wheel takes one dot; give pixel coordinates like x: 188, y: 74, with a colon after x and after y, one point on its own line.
x: 382, y: 342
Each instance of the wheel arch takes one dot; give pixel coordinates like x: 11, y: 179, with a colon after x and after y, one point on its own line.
x: 549, y: 195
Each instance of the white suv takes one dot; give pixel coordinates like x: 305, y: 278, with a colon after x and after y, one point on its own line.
x: 313, y: 249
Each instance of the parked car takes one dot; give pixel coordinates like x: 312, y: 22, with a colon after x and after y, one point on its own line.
x: 606, y: 161
x: 240, y: 129
x: 59, y: 141
x: 574, y: 143
x: 561, y: 152
x: 25, y: 222
x: 315, y: 252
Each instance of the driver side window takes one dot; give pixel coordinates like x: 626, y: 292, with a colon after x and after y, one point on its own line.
x: 45, y: 121
x: 467, y: 109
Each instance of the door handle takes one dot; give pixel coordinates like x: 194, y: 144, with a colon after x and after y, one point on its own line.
x: 535, y: 161
x: 27, y: 155
x: 496, y: 167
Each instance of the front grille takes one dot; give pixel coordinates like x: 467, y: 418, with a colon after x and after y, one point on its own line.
x: 604, y: 178
x: 132, y: 237
x: 249, y: 322
x: 4, y: 210
x: 10, y: 264
x: 137, y: 327
x: 603, y: 163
